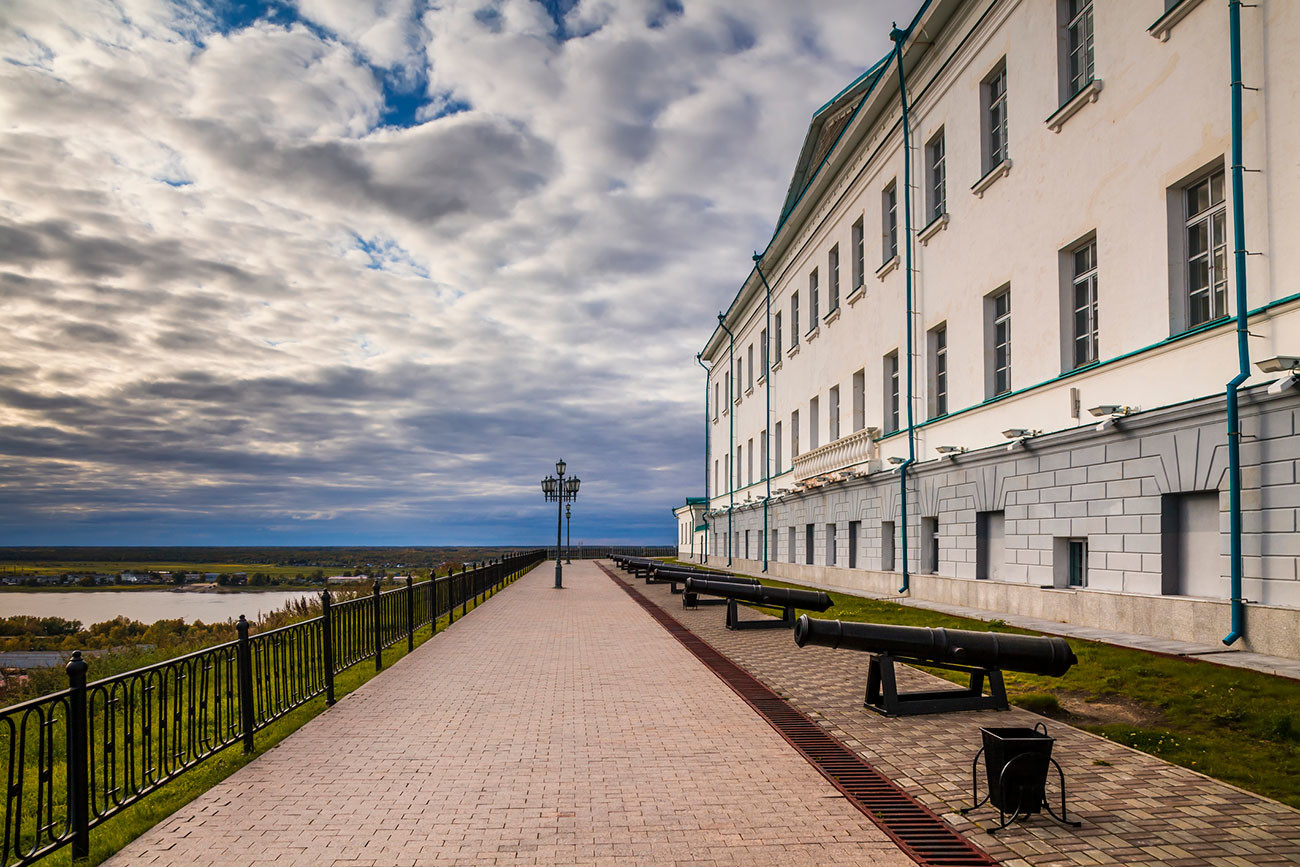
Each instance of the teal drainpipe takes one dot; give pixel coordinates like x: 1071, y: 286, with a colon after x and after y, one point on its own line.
x: 1243, y: 349
x: 707, y: 426
x: 767, y: 373
x: 899, y: 37
x: 731, y: 435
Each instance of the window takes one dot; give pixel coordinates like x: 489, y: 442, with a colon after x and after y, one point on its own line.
x: 727, y: 467
x: 1206, y: 250
x: 887, y: 546
x: 776, y: 448
x: 990, y: 544
x: 794, y: 435
x: 775, y: 537
x: 995, y: 117
x: 859, y: 253
x: 833, y: 413
x: 794, y: 319
x: 998, y: 324
x: 936, y: 178
x: 740, y: 454
x: 762, y: 458
x: 938, y: 344
x: 746, y: 549
x: 717, y: 477
x: 830, y: 545
x: 814, y: 423
x: 1078, y: 66
x: 812, y: 300
x: 749, y: 474
x: 930, y: 545
x: 889, y: 221
x: 1083, y: 304
x: 891, y: 392
x: 833, y: 278
x: 763, y: 357
x: 855, y: 528
x: 791, y: 546
x: 727, y: 382
x: 859, y: 400
x: 749, y: 379
x: 810, y: 541
x: 717, y: 399
x: 776, y: 336
x: 1077, y: 563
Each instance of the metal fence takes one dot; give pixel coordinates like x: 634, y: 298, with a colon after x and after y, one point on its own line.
x: 80, y: 756
x: 598, y: 552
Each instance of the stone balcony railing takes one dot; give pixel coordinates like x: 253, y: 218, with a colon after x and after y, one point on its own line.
x: 857, y: 450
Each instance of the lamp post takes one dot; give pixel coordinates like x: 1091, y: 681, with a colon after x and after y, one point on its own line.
x: 562, y: 491
x: 568, y: 537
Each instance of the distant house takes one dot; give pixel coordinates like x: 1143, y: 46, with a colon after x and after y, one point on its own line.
x: 345, y: 579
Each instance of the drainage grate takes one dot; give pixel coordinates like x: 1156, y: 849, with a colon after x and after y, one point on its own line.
x: 925, y: 837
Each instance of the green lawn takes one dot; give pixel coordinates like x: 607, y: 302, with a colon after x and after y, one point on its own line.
x: 1239, y: 726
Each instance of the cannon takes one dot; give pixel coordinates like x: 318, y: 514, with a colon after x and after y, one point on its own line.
x: 676, y: 575
x: 982, y: 655
x: 691, y: 598
x: 758, y: 594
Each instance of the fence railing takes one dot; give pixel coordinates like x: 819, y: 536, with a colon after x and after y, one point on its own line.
x: 80, y: 756
x: 598, y: 552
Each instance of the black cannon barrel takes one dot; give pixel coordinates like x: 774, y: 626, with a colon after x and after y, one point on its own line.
x: 1032, y: 654
x: 665, y: 574
x: 813, y: 600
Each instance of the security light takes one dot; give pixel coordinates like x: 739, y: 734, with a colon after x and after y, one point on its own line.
x: 1278, y: 363
x: 950, y: 450
x: 1283, y: 383
x: 896, y: 460
x: 1018, y: 433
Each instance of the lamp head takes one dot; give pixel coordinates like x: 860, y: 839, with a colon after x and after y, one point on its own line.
x: 950, y: 450
x: 896, y: 460
x: 548, y: 485
x: 1016, y: 433
x: 1278, y: 363
x: 559, y: 467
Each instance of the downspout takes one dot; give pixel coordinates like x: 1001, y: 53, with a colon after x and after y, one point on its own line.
x: 731, y: 434
x: 1243, y: 349
x: 767, y: 373
x: 899, y: 37
x: 707, y: 426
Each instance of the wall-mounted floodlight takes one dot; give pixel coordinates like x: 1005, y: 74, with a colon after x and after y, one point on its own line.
x: 1109, y: 413
x: 1287, y: 365
x: 950, y: 450
x: 1018, y: 435
x: 896, y: 460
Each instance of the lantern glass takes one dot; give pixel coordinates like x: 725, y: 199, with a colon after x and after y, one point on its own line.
x: 573, y: 484
x: 559, y: 467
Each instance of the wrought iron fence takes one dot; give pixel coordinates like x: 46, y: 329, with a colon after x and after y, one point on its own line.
x: 77, y: 757
x: 598, y: 552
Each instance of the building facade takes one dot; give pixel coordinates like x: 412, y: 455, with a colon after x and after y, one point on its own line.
x: 988, y: 355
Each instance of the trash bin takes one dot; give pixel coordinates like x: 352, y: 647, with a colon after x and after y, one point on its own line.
x: 1016, y: 761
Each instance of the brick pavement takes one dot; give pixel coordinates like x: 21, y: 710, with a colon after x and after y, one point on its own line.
x: 1135, y: 808
x: 548, y: 727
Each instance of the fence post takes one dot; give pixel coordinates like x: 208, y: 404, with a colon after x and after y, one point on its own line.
x: 464, y: 597
x: 451, y: 599
x: 244, y: 659
x: 327, y: 646
x: 379, y: 643
x: 78, y: 757
x: 410, y: 614
x: 433, y: 598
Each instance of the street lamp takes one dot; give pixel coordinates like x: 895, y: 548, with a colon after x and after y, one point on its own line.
x: 563, y: 491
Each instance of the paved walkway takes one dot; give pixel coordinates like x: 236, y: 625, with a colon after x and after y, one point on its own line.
x: 547, y: 727
x: 1135, y: 808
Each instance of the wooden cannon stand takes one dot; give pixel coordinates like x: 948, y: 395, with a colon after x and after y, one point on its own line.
x: 884, y: 698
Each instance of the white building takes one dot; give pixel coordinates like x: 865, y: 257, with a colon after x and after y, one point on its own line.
x: 1060, y: 374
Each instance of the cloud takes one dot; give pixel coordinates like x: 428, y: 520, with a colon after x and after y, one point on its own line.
x: 361, y: 271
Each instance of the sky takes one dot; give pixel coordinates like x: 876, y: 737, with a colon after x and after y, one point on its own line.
x: 360, y: 271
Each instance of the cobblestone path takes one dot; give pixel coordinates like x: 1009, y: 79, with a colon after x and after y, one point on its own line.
x: 548, y: 727
x: 1136, y: 809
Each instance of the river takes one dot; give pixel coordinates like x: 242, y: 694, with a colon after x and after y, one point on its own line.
x: 94, y: 606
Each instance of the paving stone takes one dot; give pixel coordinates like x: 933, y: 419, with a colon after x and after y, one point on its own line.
x: 1135, y: 810
x: 548, y: 727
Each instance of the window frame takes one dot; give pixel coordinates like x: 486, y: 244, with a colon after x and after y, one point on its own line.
x: 833, y: 278
x: 858, y: 239
x: 998, y: 336
x: 1215, y: 214
x: 889, y: 221
x: 813, y: 298
x: 1074, y: 22
x: 892, y: 393
x: 833, y: 413
x: 994, y: 128
x: 936, y: 177
x: 937, y: 340
x: 1074, y: 279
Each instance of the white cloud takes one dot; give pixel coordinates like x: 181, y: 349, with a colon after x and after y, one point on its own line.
x: 233, y: 294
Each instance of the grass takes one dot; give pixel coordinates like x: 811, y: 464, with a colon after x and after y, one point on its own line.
x: 1236, y: 725
x: 117, y: 832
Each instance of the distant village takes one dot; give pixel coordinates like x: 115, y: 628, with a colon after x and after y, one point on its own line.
x: 189, y: 580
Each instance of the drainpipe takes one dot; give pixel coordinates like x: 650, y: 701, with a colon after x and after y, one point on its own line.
x: 731, y: 435
x: 899, y: 37
x: 767, y: 373
x: 1243, y: 350
x: 707, y: 426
